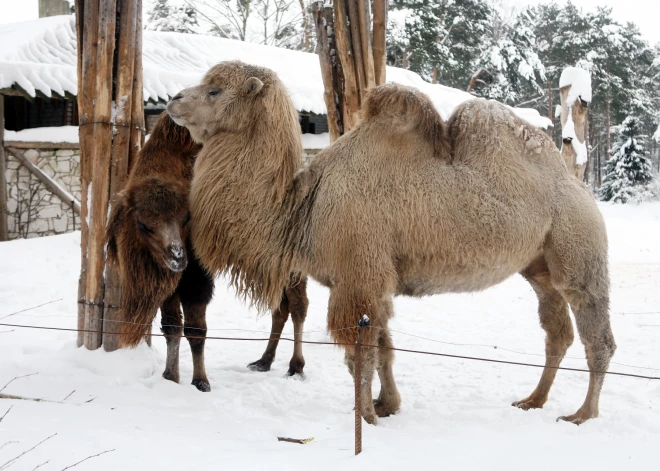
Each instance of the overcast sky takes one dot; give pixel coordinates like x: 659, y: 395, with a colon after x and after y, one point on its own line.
x: 646, y: 13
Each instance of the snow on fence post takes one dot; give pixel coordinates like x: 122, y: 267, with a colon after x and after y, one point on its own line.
x: 3, y: 173
x: 107, y: 141
x: 575, y: 93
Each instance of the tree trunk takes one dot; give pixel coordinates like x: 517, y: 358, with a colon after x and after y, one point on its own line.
x: 106, y: 147
x: 551, y: 112
x: 345, y: 53
x: 607, y: 125
x: 380, y: 49
x: 3, y: 179
x: 331, y: 71
x: 305, y: 25
x: 364, y: 17
x: 473, y: 80
x: 434, y: 77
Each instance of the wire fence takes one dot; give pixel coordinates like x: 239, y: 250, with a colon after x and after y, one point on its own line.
x: 358, y: 348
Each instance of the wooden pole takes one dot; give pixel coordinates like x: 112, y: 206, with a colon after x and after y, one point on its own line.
x: 345, y: 53
x: 3, y: 171
x: 331, y: 71
x: 107, y: 142
x: 364, y: 17
x: 380, y: 49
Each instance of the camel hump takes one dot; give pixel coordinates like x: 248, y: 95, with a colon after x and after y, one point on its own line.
x: 495, y: 128
x: 406, y: 109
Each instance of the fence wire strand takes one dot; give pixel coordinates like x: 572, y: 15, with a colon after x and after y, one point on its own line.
x: 311, y: 342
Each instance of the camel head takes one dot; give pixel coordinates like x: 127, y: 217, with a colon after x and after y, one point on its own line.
x: 226, y: 101
x: 153, y: 214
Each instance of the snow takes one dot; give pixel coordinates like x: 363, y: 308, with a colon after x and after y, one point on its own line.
x: 656, y: 136
x: 41, y: 56
x: 580, y: 82
x: 316, y: 141
x: 456, y: 414
x: 48, y: 134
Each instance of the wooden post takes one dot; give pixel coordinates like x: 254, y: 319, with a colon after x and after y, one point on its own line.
x: 3, y: 172
x: 331, y: 70
x: 106, y: 147
x: 350, y: 65
x: 380, y: 49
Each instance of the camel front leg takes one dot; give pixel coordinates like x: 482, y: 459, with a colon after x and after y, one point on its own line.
x: 172, y: 328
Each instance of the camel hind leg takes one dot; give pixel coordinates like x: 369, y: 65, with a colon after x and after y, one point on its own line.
x: 389, y: 400
x: 555, y: 320
x: 576, y: 253
x: 296, y: 294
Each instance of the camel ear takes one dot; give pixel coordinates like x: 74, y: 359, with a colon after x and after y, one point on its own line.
x: 252, y: 86
x: 116, y: 220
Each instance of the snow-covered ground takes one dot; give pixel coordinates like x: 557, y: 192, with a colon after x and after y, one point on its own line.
x: 455, y: 415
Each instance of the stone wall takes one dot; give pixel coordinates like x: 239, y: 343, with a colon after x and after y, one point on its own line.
x: 32, y: 210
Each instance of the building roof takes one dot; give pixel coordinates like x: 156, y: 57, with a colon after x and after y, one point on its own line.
x: 40, y: 57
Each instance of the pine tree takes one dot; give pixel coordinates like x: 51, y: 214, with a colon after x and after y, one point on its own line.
x: 180, y: 19
x: 628, y: 172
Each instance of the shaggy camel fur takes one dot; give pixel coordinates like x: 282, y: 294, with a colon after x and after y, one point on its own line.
x: 146, y: 237
x: 391, y: 208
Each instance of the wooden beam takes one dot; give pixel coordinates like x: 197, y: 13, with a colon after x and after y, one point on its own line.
x: 3, y: 179
x: 16, y: 90
x: 345, y: 53
x: 353, y: 21
x: 331, y: 72
x: 380, y: 51
x: 48, y: 182
x: 364, y: 18
x: 42, y: 145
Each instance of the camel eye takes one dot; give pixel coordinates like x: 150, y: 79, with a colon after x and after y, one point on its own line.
x: 186, y: 220
x: 144, y: 228
x: 214, y: 92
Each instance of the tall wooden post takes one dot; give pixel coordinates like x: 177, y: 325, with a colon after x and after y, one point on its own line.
x: 352, y: 59
x: 105, y: 28
x: 3, y: 179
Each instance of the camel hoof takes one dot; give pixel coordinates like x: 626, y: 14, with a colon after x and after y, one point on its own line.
x: 384, y: 410
x: 295, y: 374
x: 371, y: 419
x: 171, y: 376
x: 527, y: 404
x: 202, y: 384
x: 296, y: 369
x: 576, y: 418
x: 260, y: 365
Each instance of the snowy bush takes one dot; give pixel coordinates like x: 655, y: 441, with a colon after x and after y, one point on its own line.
x: 628, y: 174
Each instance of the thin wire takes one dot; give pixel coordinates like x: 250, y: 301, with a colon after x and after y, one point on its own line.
x: 495, y: 347
x: 309, y: 342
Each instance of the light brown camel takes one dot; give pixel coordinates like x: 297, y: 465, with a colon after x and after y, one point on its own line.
x: 391, y: 208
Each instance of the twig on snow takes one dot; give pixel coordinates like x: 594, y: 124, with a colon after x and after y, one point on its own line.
x: 301, y: 441
x: 92, y: 456
x: 23, y: 398
x: 31, y: 308
x: 14, y: 379
x: 7, y: 464
x: 7, y: 443
x: 70, y: 394
x: 5, y: 414
x: 40, y: 465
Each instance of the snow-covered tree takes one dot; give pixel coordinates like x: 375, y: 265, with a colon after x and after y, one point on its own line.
x: 509, y: 65
x: 179, y: 19
x: 628, y: 172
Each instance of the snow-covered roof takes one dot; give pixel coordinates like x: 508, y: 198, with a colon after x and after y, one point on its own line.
x: 41, y: 56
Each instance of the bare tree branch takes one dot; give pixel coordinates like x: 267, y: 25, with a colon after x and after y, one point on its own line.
x: 89, y: 457
x: 14, y: 379
x: 7, y: 464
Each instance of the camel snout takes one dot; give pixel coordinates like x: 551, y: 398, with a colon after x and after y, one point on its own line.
x: 177, y: 261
